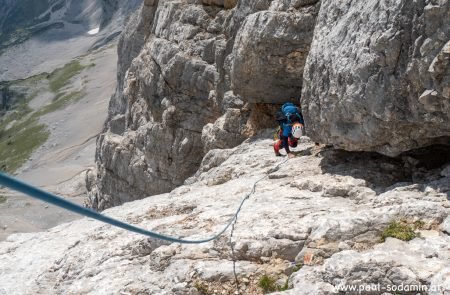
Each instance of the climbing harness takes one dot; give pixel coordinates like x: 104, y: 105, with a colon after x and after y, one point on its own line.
x: 32, y: 191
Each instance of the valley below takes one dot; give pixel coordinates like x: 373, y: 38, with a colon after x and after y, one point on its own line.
x: 49, y: 138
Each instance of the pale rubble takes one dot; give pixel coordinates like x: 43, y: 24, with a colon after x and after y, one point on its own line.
x: 300, y: 213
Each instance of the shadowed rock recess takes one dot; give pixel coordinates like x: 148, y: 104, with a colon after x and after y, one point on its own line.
x: 194, y: 76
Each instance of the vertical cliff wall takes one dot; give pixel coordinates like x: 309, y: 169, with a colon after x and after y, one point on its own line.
x: 199, y: 75
x: 378, y: 74
x: 193, y: 76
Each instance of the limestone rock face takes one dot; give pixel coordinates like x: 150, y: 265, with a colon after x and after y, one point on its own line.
x: 377, y: 75
x: 325, y: 210
x: 270, y: 53
x: 179, y: 65
x: 389, y: 265
x: 200, y: 75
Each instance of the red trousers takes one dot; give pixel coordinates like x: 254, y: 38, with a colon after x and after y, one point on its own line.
x: 292, y: 142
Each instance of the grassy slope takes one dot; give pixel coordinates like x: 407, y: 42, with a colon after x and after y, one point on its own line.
x: 25, y: 133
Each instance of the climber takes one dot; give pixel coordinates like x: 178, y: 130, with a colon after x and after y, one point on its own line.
x: 290, y: 120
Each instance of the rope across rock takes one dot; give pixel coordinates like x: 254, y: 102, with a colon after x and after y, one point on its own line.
x: 37, y: 193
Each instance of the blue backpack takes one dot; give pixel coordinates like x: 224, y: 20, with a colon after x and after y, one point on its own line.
x: 291, y: 113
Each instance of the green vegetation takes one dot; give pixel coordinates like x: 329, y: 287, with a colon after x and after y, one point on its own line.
x: 61, y: 77
x: 59, y: 102
x: 19, y: 141
x: 285, y: 286
x: 2, y: 199
x: 268, y: 284
x: 201, y: 288
x: 31, y: 81
x: 297, y: 267
x: 399, y: 230
x: 419, y: 224
x: 25, y: 133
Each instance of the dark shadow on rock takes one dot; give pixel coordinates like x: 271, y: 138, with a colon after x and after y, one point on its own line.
x: 377, y: 170
x: 421, y: 166
x: 305, y: 152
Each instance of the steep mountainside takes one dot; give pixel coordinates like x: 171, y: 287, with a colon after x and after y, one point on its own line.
x: 19, y: 20
x: 320, y: 219
x: 48, y: 127
x: 55, y: 100
x: 40, y: 35
x: 190, y: 127
x: 175, y: 100
x: 198, y: 75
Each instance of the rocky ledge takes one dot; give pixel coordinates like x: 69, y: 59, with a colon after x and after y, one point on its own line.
x: 318, y: 222
x: 196, y: 75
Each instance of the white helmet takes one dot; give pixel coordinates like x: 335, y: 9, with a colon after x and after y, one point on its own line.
x: 297, y: 130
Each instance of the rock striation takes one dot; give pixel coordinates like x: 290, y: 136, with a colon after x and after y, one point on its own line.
x: 184, y: 88
x: 317, y: 220
x: 377, y: 75
x: 199, y: 75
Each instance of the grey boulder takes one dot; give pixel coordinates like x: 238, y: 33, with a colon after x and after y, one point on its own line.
x: 377, y: 76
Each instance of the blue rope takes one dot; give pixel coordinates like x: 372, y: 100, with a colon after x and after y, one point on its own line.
x: 32, y: 191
